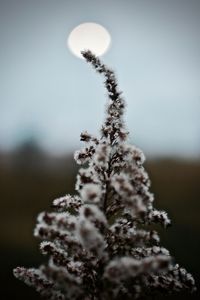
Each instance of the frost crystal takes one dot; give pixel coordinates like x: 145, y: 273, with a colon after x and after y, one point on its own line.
x: 99, y: 243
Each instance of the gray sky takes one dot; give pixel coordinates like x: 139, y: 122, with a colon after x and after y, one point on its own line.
x: 48, y: 94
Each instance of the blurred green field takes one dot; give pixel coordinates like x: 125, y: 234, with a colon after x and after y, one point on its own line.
x: 29, y: 183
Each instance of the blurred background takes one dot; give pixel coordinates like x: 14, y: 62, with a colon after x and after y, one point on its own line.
x: 48, y: 96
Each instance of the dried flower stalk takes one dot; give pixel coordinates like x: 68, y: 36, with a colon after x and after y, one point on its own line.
x: 99, y: 243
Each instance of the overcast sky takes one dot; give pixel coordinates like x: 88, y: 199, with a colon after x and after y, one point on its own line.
x: 50, y: 95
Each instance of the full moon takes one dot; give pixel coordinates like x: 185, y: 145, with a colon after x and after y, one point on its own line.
x: 89, y: 36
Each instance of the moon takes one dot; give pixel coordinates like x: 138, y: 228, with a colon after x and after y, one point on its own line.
x: 89, y: 36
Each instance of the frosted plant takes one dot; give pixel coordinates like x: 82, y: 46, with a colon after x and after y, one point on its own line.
x: 99, y: 242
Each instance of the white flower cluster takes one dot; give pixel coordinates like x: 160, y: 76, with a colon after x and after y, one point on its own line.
x: 91, y: 193
x: 94, y: 215
x: 122, y: 185
x: 67, y: 202
x: 36, y: 278
x: 102, y: 154
x: 127, y: 267
x: 91, y: 222
x: 90, y: 238
x: 157, y: 216
x: 62, y: 220
x: 84, y: 155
